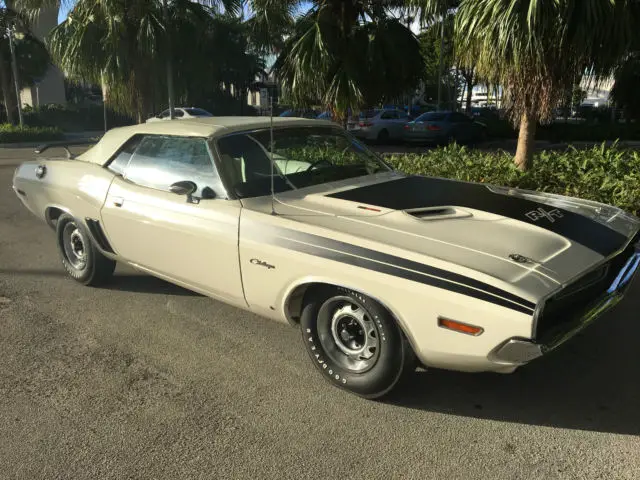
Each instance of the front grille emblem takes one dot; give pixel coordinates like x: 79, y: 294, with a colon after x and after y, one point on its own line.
x: 540, y: 213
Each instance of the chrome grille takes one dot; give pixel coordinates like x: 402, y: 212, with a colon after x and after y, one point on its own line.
x: 571, y: 303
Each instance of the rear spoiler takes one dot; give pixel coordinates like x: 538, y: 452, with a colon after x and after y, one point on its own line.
x: 65, y: 144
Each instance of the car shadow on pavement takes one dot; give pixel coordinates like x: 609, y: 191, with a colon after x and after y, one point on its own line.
x: 126, y: 282
x: 142, y: 283
x: 589, y: 383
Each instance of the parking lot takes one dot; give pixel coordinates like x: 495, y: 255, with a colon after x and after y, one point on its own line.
x: 143, y: 379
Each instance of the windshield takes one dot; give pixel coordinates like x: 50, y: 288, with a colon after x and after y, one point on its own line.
x: 197, y: 112
x: 303, y: 156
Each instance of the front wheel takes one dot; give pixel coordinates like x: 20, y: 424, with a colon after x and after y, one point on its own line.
x: 80, y: 257
x: 354, y: 342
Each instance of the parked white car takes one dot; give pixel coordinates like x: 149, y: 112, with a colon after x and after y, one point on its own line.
x: 181, y: 113
x: 380, y: 125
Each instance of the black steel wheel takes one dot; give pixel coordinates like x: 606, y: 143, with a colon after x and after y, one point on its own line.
x: 80, y: 257
x: 354, y: 342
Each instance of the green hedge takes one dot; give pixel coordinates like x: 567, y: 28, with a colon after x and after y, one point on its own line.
x: 499, y: 128
x: 606, y: 174
x: 15, y: 134
x: 73, y: 118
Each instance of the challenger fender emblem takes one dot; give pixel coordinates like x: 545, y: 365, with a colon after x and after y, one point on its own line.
x: 256, y: 261
x: 540, y: 213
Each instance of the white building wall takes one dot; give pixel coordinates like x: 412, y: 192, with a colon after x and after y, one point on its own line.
x: 50, y: 89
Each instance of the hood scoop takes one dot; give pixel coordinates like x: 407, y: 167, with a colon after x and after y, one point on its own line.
x: 437, y: 213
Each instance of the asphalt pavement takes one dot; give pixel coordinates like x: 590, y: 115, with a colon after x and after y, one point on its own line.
x: 145, y: 380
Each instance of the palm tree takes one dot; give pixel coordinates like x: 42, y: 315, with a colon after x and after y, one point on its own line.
x: 340, y: 54
x: 123, y: 45
x: 534, y: 48
x: 142, y: 30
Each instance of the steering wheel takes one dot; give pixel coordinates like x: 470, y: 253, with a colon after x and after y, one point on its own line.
x: 319, y: 162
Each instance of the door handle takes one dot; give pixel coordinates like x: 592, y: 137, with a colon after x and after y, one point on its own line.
x: 117, y: 201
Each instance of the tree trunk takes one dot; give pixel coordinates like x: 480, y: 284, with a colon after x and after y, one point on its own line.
x: 526, y: 142
x: 469, y: 94
x: 169, y: 53
x: 441, y: 65
x: 7, y: 95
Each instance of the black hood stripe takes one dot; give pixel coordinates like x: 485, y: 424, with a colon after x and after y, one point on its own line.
x: 389, y: 264
x: 423, y: 192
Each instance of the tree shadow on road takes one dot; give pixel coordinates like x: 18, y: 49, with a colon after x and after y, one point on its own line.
x: 589, y: 383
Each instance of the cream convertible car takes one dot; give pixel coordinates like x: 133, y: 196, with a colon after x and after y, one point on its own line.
x: 380, y: 270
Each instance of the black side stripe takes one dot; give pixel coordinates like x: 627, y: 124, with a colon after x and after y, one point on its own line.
x: 391, y: 265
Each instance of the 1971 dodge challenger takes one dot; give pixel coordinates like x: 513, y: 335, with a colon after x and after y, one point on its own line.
x: 298, y: 221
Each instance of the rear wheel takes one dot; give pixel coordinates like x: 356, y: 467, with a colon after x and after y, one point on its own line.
x: 80, y: 258
x: 354, y: 342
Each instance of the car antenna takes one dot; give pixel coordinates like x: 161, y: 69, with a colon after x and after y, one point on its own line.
x: 273, y: 211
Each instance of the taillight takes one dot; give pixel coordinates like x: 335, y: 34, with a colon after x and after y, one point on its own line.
x: 365, y: 124
x: 406, y: 126
x: 433, y: 128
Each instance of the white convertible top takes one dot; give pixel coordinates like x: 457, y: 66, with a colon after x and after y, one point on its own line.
x: 113, y: 139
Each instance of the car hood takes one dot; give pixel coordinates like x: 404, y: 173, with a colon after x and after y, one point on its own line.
x: 536, y: 241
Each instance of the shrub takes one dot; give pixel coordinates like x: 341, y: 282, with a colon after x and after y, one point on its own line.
x: 609, y: 175
x: 15, y: 134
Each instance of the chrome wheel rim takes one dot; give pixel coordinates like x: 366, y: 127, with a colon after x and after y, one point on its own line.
x: 74, y: 246
x: 348, y: 334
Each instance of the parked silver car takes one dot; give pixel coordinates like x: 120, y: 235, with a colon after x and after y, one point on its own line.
x: 444, y: 127
x: 380, y: 125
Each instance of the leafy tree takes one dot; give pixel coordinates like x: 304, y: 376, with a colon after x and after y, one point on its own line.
x: 436, y: 59
x: 626, y: 89
x: 535, y: 47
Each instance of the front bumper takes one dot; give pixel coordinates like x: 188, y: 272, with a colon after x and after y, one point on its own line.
x: 519, y: 351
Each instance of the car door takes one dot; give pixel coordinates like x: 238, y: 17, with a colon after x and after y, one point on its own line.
x: 387, y: 122
x: 399, y: 123
x: 193, y: 239
x: 462, y: 129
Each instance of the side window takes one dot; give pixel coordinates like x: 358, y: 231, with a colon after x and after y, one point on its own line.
x: 160, y: 161
x: 389, y: 115
x: 119, y: 163
x: 178, y: 113
x: 164, y: 114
